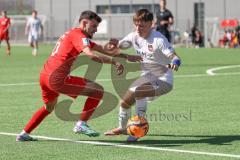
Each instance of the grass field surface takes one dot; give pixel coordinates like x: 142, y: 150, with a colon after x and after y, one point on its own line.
x: 199, y: 119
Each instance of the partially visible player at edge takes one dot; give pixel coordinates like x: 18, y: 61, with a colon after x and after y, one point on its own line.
x: 34, y: 29
x: 55, y: 78
x: 158, y: 61
x: 4, y: 27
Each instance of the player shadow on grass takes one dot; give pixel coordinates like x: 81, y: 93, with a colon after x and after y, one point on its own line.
x: 170, y: 140
x: 179, y: 140
x: 191, y: 139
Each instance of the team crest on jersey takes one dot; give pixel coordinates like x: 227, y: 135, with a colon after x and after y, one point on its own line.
x: 85, y: 41
x: 150, y: 47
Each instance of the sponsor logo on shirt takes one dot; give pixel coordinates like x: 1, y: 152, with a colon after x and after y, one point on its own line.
x: 85, y: 41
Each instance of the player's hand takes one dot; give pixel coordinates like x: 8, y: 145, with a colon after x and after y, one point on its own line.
x: 134, y: 58
x: 111, y: 47
x: 119, y: 67
x: 114, y: 42
x: 163, y: 22
x: 173, y: 66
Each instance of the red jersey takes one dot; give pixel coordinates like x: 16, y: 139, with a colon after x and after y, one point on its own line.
x: 68, y: 47
x: 4, y: 23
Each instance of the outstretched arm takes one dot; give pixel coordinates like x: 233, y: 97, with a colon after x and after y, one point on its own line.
x: 27, y: 28
x: 107, y: 49
x: 125, y: 44
x: 103, y: 59
x: 41, y: 26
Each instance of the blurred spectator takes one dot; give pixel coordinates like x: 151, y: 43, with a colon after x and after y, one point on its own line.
x: 230, y: 39
x: 197, y: 37
x: 164, y: 19
x: 238, y: 33
x: 234, y: 40
x: 223, y: 42
x: 194, y: 28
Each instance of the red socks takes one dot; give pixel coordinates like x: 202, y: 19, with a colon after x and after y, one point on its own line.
x: 36, y: 119
x: 90, y: 105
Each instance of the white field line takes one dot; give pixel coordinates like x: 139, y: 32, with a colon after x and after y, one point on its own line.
x: 130, y: 146
x: 107, y: 80
x: 211, y: 70
x: 18, y: 84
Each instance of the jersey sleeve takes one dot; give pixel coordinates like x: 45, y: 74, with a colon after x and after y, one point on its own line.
x: 128, y: 38
x: 9, y: 21
x: 92, y: 44
x: 127, y: 41
x: 165, y: 47
x: 28, y: 22
x: 81, y: 41
x: 170, y: 14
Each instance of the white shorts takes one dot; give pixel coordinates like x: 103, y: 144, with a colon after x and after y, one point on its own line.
x: 161, y: 87
x: 33, y: 38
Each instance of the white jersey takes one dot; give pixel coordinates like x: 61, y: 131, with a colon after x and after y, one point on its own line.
x: 154, y: 50
x: 34, y: 25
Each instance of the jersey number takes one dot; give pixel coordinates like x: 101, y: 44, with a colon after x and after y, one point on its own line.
x: 55, y: 49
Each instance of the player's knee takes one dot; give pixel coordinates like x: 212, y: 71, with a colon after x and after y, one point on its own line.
x: 50, y: 105
x: 168, y: 89
x: 125, y: 104
x: 49, y: 108
x: 164, y: 90
x: 98, y: 91
x: 100, y: 88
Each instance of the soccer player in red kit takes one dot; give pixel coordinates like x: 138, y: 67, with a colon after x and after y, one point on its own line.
x: 4, y: 26
x: 55, y: 76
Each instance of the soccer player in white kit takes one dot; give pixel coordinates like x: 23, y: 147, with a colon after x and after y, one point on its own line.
x: 158, y: 62
x: 34, y: 29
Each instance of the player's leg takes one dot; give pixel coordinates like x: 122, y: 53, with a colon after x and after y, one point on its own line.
x: 75, y: 86
x: 30, y: 40
x: 141, y: 92
x: 35, y: 47
x: 49, y: 98
x: 8, y: 47
x: 94, y: 93
x: 35, y: 44
x: 36, y: 119
x: 137, y: 92
x: 31, y: 43
x: 124, y: 114
x: 153, y: 89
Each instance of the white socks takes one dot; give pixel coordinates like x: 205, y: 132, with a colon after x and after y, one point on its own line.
x: 124, y: 115
x: 23, y: 133
x: 34, y: 51
x: 141, y: 107
x: 79, y: 123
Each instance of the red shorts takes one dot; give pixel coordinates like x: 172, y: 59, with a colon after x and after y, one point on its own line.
x: 4, y: 36
x: 72, y: 87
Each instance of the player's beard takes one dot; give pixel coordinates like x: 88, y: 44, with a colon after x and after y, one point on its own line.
x: 86, y: 33
x: 90, y: 37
